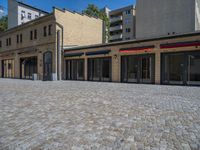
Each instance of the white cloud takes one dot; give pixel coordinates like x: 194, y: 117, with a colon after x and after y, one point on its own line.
x: 2, y: 12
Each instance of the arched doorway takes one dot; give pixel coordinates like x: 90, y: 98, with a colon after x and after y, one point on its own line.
x: 47, y: 65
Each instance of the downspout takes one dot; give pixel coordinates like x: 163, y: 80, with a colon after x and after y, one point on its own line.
x: 59, y: 51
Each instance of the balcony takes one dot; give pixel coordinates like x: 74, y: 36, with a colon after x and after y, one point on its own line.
x: 116, y: 28
x: 116, y: 37
x: 115, y: 19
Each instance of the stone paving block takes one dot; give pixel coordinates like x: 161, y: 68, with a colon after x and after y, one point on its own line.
x: 98, y: 116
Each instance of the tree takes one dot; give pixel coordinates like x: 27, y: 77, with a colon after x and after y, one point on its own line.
x: 94, y: 11
x: 3, y: 23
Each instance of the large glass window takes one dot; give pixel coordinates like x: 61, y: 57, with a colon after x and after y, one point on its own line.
x: 138, y: 69
x: 75, y: 69
x: 132, y: 69
x: 181, y: 68
x: 176, y: 64
x: 194, y: 69
x: 99, y: 69
x: 146, y: 69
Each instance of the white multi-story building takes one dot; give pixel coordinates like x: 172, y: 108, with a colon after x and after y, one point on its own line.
x: 19, y: 13
x: 122, y: 24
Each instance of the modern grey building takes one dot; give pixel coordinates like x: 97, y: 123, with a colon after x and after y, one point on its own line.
x: 19, y: 13
x: 122, y: 24
x: 166, y: 17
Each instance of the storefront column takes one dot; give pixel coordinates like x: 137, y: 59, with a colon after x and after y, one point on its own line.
x: 157, y: 68
x: 116, y: 68
x: 17, y: 66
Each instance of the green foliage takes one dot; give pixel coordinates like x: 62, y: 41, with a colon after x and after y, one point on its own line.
x: 94, y: 11
x: 3, y: 23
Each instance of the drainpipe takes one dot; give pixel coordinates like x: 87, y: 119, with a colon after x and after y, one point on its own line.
x: 59, y: 52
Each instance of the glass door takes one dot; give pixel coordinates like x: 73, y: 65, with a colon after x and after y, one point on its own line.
x: 146, y: 69
x: 75, y: 69
x: 80, y: 69
x: 176, y: 69
x: 193, y: 76
x: 96, y: 70
x: 47, y: 61
x: 106, y: 69
x: 132, y: 69
x: 138, y: 69
x: 99, y: 69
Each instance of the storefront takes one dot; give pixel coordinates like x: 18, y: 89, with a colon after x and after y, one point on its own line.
x: 8, y: 68
x: 28, y: 67
x: 181, y: 68
x: 99, y: 69
x: 138, y: 69
x: 75, y: 69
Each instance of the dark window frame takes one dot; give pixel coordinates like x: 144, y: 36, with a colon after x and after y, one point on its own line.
x: 17, y: 38
x: 45, y: 31
x: 128, y: 30
x: 9, y: 41
x: 31, y: 35
x: 23, y: 15
x: 35, y: 34
x: 29, y: 16
x: 21, y: 38
x: 50, y: 29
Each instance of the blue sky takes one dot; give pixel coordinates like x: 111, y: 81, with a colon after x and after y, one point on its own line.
x: 76, y: 5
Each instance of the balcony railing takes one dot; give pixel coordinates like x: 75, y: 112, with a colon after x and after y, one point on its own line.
x: 116, y: 37
x: 115, y: 19
x: 115, y: 28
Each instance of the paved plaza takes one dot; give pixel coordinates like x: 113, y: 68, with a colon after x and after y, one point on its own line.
x: 73, y: 115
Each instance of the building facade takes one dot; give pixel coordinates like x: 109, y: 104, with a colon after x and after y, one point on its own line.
x: 161, y: 18
x: 34, y: 50
x: 173, y: 60
x: 20, y: 13
x: 122, y: 24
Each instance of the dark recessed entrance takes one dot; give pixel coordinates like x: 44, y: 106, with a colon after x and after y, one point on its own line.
x: 99, y: 69
x: 138, y: 69
x: 47, y: 64
x: 181, y: 68
x: 75, y: 69
x: 28, y: 67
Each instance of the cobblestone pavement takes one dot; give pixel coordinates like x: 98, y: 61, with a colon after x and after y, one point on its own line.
x: 70, y: 115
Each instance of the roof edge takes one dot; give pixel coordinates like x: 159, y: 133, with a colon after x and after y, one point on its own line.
x: 133, y: 41
x: 38, y: 9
